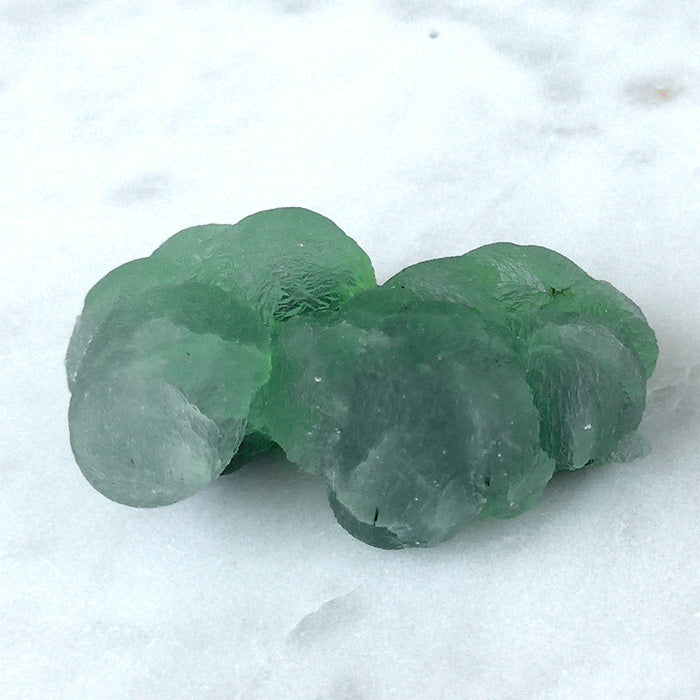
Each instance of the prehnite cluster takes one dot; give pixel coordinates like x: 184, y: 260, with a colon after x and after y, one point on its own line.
x: 452, y: 392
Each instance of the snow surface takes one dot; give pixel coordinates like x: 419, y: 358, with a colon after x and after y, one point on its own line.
x: 423, y: 129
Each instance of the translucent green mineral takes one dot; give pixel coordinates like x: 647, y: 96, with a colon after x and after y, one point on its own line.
x: 450, y: 393
x: 160, y: 403
x: 588, y: 348
x: 417, y: 414
x: 169, y: 350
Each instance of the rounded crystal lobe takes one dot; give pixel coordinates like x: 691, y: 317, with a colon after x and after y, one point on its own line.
x: 528, y: 285
x: 286, y: 261
x: 450, y: 393
x: 167, y: 383
x: 419, y: 418
x: 270, y: 266
x: 127, y: 280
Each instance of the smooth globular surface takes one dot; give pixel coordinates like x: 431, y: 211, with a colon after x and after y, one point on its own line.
x: 170, y: 350
x: 452, y: 392
x: 160, y: 403
x: 419, y: 418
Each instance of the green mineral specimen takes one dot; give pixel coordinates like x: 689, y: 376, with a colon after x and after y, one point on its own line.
x: 176, y: 344
x: 588, y: 348
x: 452, y: 392
x: 417, y: 414
x: 160, y: 403
x: 528, y: 285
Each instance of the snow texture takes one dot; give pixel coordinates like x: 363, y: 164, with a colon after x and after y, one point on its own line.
x: 422, y: 129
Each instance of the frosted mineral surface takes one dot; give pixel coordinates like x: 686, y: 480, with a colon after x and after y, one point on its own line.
x: 452, y: 392
x: 169, y: 350
x: 417, y: 413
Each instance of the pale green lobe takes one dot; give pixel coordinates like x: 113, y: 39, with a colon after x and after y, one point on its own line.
x: 140, y: 442
x: 526, y: 286
x: 123, y: 282
x: 159, y: 406
x: 590, y: 390
x: 419, y: 419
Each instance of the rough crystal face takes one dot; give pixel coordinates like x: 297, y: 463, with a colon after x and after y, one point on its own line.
x: 159, y: 406
x: 170, y: 350
x: 528, y: 285
x: 419, y: 418
x: 452, y: 392
x: 285, y: 261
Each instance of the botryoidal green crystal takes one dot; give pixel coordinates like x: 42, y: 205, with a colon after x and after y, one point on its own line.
x: 588, y: 349
x: 450, y: 393
x: 419, y: 418
x: 160, y: 403
x: 170, y: 350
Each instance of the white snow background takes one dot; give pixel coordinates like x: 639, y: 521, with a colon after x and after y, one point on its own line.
x: 422, y: 129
